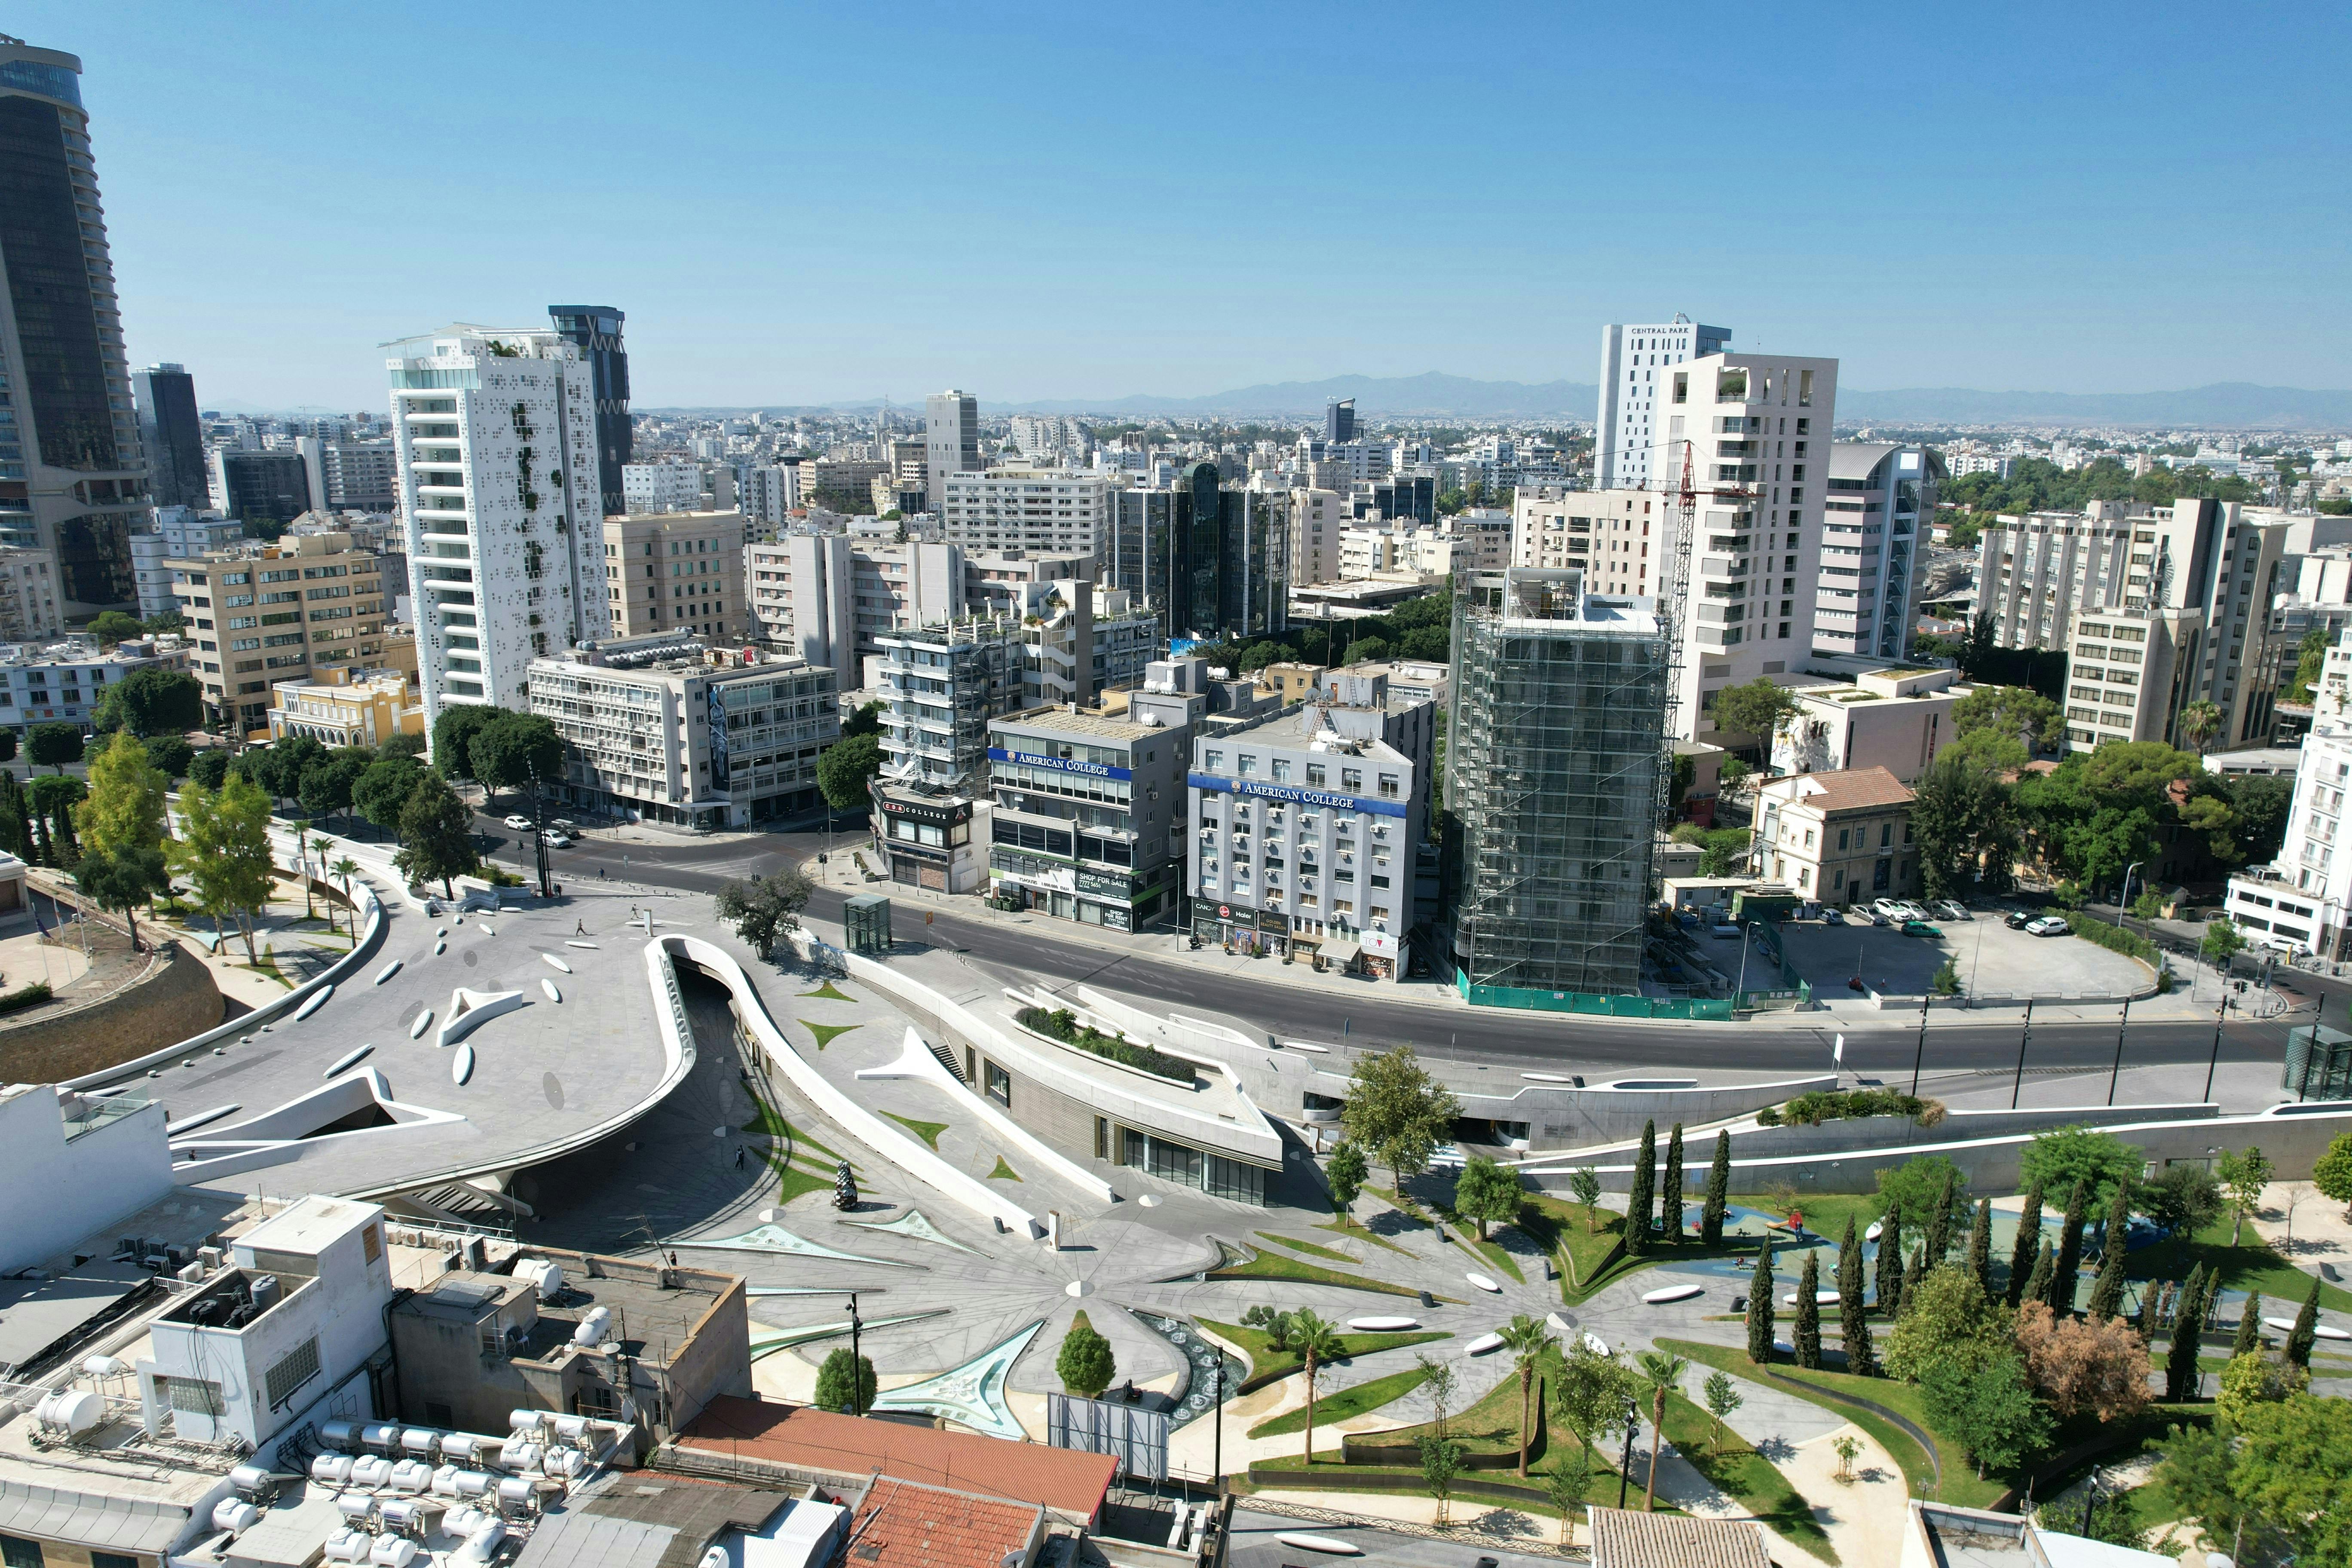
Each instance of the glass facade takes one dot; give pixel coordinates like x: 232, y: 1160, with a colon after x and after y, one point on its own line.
x: 173, y: 433
x: 596, y: 330
x: 1180, y: 1163
x: 1230, y: 567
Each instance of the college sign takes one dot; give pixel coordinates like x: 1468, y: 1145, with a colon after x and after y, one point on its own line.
x: 1059, y: 765
x: 1216, y: 785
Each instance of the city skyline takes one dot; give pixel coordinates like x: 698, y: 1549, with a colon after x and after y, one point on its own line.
x: 2075, y: 220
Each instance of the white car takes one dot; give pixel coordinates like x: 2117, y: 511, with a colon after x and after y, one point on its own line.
x: 1891, y: 909
x: 2279, y: 944
x: 2048, y: 925
x: 1949, y: 910
x: 520, y: 823
x: 555, y: 840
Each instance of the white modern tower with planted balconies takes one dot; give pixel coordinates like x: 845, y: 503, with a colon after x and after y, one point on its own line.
x: 500, y: 495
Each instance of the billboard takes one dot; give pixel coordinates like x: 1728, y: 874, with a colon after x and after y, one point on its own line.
x: 1135, y: 1436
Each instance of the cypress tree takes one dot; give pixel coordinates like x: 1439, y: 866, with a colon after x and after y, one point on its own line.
x: 2306, y: 1332
x: 15, y: 834
x: 1940, y: 1224
x: 1806, y: 1335
x: 1861, y: 1358
x: 1670, y: 1191
x: 2181, y: 1377
x: 1718, y: 1193
x: 2108, y: 1291
x: 2037, y: 1282
x: 1640, y: 1198
x: 1980, y: 1246
x: 2250, y: 1328
x: 2029, y: 1242
x: 2070, y: 1248
x: 1759, y: 1308
x: 1890, y: 1262
x: 1915, y: 1268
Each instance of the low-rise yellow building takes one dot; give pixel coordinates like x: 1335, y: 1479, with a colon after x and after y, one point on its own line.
x: 344, y: 707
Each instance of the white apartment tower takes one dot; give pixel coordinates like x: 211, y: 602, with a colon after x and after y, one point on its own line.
x: 1630, y: 360
x: 503, y: 507
x: 1025, y: 507
x: 1618, y: 537
x: 950, y: 439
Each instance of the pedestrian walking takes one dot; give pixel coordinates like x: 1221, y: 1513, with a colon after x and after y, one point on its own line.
x: 739, y: 1156
x: 580, y: 927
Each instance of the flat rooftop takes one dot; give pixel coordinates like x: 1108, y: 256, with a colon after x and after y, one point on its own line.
x: 650, y: 1320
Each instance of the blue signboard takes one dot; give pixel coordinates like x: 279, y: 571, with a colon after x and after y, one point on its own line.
x: 1217, y: 786
x: 1059, y: 765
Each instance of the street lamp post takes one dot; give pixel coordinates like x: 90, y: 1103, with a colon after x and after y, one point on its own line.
x: 2116, y: 1072
x: 856, y: 1362
x: 2123, y: 905
x: 1625, y: 1469
x: 538, y: 833
x: 2220, y: 1013
x: 1217, y: 1460
x: 1920, y: 1053
x: 2018, y: 1086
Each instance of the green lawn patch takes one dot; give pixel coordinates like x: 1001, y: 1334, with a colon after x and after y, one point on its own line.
x: 792, y: 1181
x: 1266, y: 1363
x: 826, y: 1033
x: 1307, y: 1247
x: 766, y: 1118
x: 1917, y: 1472
x: 1004, y: 1172
x: 830, y: 993
x: 1060, y: 1023
x: 1275, y: 1265
x: 1336, y: 1407
x: 2250, y: 1266
x: 928, y: 1131
x: 1497, y: 1254
x: 1746, y: 1476
x: 1588, y: 1258
x: 1350, y: 1229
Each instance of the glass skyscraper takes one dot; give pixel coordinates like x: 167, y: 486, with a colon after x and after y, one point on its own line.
x: 595, y: 329
x: 173, y: 433
x: 73, y: 472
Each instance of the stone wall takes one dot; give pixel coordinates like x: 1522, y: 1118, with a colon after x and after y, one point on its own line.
x: 174, y: 999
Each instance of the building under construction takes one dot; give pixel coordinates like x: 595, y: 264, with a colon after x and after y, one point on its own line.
x: 1556, y: 765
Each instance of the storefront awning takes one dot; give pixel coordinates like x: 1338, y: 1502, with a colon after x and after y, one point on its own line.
x: 1337, y: 949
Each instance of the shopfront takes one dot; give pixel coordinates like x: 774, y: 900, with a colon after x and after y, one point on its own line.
x: 925, y: 839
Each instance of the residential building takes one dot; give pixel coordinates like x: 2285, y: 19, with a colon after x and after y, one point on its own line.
x: 665, y: 728
x: 1307, y: 825
x: 346, y: 706
x: 2302, y: 901
x: 1632, y: 396
x: 503, y: 570
x: 1047, y: 437
x: 1555, y: 768
x: 1485, y: 533
x: 595, y: 332
x: 939, y: 686
x: 677, y: 572
x: 2191, y: 625
x: 73, y: 470
x: 1871, y: 531
x: 1755, y: 430
x: 1089, y: 815
x: 1841, y: 837
x: 648, y: 488
x: 950, y: 440
x: 1288, y: 681
x: 1025, y: 508
x: 1410, y: 680
x: 1897, y: 720
x: 67, y: 680
x: 262, y: 486
x: 360, y: 475
x: 2035, y: 571
x: 173, y: 432
x: 1618, y: 537
x: 845, y: 484
x: 177, y: 532
x: 1374, y: 548
x: 259, y: 613
x: 32, y: 605
x: 769, y: 496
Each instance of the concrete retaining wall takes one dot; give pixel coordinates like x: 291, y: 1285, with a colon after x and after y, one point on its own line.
x: 1563, y: 1117
x: 175, y: 998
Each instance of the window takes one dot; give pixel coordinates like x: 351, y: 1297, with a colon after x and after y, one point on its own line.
x: 1351, y: 778
x: 1248, y: 764
x: 1281, y: 770
x: 17, y: 1553
x: 1843, y: 834
x: 1213, y: 760
x: 1000, y: 1085
x: 1885, y: 834
x: 1316, y: 775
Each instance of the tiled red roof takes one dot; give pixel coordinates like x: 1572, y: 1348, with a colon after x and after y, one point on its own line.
x: 1853, y: 789
x: 1070, y: 1483
x: 904, y: 1524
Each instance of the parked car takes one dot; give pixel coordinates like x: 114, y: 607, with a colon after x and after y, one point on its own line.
x: 2278, y: 943
x: 1910, y: 909
x: 1831, y: 918
x: 1890, y: 908
x: 1920, y: 928
x: 555, y: 839
x: 2016, y: 920
x: 520, y: 823
x: 2048, y: 925
x: 1945, y: 908
x: 565, y: 823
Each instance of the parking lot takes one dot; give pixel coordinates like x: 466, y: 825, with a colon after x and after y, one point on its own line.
x: 1992, y: 960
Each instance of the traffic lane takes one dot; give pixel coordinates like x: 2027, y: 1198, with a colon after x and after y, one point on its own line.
x: 1253, y: 1541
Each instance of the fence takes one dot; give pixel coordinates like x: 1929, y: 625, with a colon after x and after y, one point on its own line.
x: 1598, y: 1006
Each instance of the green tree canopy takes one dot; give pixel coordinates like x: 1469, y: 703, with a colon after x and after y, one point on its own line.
x: 223, y: 850
x: 54, y: 743
x: 761, y: 909
x: 506, y: 753
x: 453, y: 738
x: 1397, y: 1111
x: 1916, y: 1186
x: 1987, y: 1407
x: 2056, y: 1160
x: 124, y: 812
x: 123, y: 881
x: 436, y: 836
x: 278, y: 767
x: 209, y: 767
x: 152, y: 702
x: 2007, y: 723
x: 383, y: 787
x: 1085, y: 1365
x: 1947, y: 1319
x: 112, y: 627
x: 1753, y: 712
x: 845, y: 770
x: 172, y: 753
x: 1487, y: 1194
x: 846, y: 1384
x: 327, y: 784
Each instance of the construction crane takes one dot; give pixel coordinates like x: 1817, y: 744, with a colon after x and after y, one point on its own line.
x: 1674, y: 587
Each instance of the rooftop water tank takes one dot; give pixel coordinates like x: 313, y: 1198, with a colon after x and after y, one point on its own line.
x: 411, y: 1475
x: 253, y: 1483
x: 356, y: 1508
x: 481, y: 1543
x: 332, y: 1469
x: 391, y: 1552
x: 347, y: 1546
x: 515, y: 1493
x: 370, y: 1471
x: 465, y: 1447
x: 594, y: 1327
x: 419, y: 1441
x: 234, y: 1514
x: 73, y: 1411
x: 526, y: 1421
x: 544, y: 1277
x: 520, y: 1457
x: 571, y: 1428
x: 103, y: 1366
x: 344, y: 1434
x: 382, y: 1436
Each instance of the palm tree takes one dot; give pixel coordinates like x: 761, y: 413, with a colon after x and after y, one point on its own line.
x: 1318, y: 1342
x: 318, y: 847
x: 2199, y: 722
x: 344, y: 870
x: 1529, y: 1341
x: 1665, y: 1372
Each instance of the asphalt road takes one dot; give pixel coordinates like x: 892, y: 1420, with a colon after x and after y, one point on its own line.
x: 1501, y: 1038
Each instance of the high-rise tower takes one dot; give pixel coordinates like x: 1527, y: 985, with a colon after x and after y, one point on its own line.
x: 595, y: 332
x: 950, y: 439
x: 1629, y: 416
x: 73, y: 474
x: 173, y: 433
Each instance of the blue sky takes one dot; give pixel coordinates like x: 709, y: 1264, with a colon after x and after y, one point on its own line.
x: 799, y: 203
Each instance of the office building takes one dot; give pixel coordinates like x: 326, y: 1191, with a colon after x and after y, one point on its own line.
x: 677, y: 572
x: 1318, y: 519
x: 66, y: 680
x: 1089, y: 815
x: 73, y: 471
x: 259, y: 613
x: 1485, y: 533
x: 841, y: 483
x: 769, y: 496
x: 595, y: 332
x: 360, y: 475
x: 1841, y: 837
x: 1556, y: 763
x: 174, y: 435
x: 32, y: 607
x: 262, y: 486
x: 950, y: 440
x: 1025, y: 509
x: 1879, y: 492
x: 1339, y: 420
x: 827, y: 596
x: 1617, y: 538
x: 1307, y: 825
x: 1228, y: 570
x: 499, y: 493
x: 177, y: 532
x: 665, y: 728
x: 649, y: 488
x: 1632, y: 397
x: 2186, y: 621
x: 1405, y: 496
x: 1137, y: 553
x: 343, y: 706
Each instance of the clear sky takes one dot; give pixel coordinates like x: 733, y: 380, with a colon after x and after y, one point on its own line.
x: 798, y: 204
